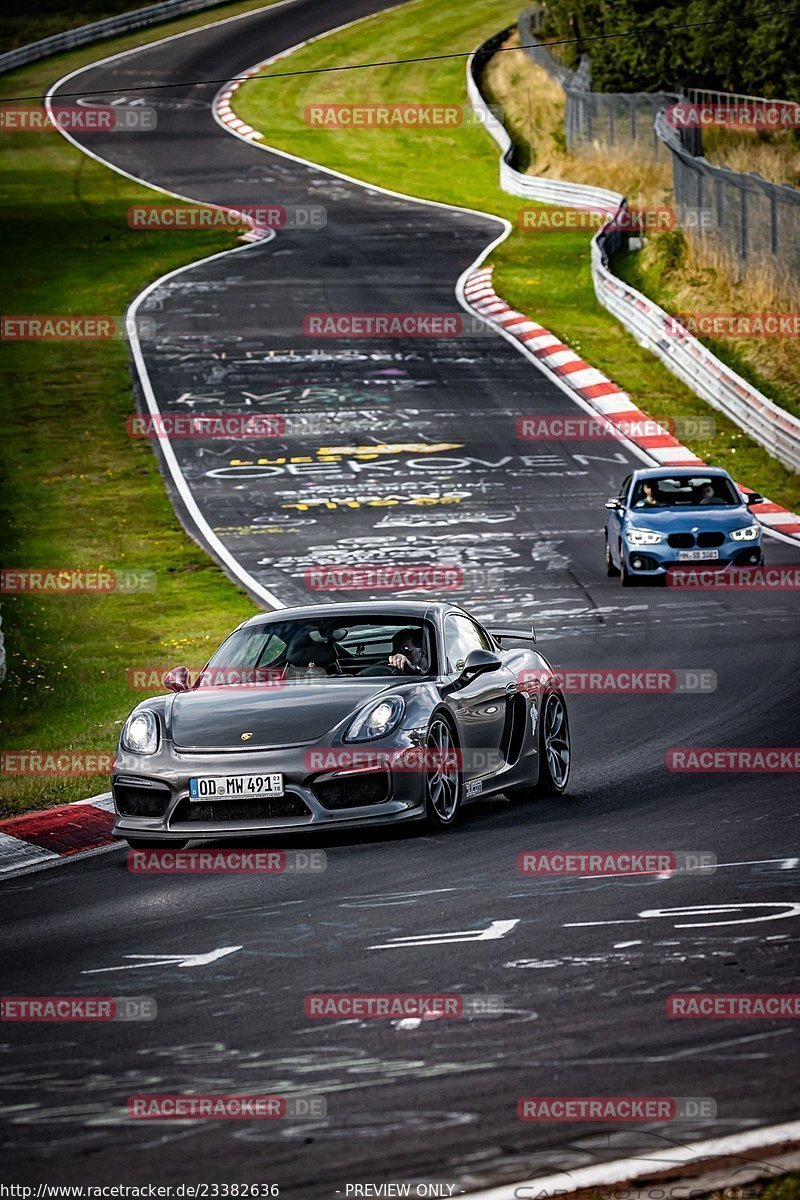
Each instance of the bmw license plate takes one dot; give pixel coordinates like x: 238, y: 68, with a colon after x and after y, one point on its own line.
x: 694, y: 555
x: 220, y: 787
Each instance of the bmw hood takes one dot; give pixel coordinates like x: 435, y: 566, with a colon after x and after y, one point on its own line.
x: 215, y: 718
x: 691, y: 520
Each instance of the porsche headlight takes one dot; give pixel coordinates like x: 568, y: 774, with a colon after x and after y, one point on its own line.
x: 140, y: 733
x: 644, y: 537
x: 748, y: 534
x: 376, y: 719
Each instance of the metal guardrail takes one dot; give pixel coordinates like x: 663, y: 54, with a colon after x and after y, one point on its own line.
x: 594, y: 120
x: 138, y: 18
x: 776, y: 430
x: 530, y: 187
x: 755, y: 221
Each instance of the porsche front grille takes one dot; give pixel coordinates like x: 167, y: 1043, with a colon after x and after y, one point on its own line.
x: 259, y: 808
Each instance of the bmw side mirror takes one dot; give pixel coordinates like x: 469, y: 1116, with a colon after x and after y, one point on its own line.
x: 754, y: 498
x: 614, y: 502
x: 178, y: 680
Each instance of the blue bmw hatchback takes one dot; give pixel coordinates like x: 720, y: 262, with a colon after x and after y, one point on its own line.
x: 663, y: 517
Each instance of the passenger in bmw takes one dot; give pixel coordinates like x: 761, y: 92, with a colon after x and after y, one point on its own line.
x: 407, y: 657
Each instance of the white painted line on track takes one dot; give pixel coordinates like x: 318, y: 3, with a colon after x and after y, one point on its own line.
x: 626, y: 1170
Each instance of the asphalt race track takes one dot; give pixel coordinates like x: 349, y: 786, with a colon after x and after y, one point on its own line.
x: 584, y: 965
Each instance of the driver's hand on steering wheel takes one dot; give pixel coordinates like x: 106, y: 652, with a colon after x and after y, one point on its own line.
x: 400, y: 661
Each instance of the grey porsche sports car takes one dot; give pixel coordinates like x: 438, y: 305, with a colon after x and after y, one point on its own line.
x: 341, y: 715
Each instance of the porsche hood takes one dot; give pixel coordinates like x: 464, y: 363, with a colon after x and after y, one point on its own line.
x: 298, y: 714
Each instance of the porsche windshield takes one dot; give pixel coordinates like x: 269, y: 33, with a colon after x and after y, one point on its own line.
x: 685, y: 491
x: 323, y: 649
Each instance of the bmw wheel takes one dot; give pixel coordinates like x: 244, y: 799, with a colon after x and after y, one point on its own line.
x: 611, y: 570
x: 442, y: 775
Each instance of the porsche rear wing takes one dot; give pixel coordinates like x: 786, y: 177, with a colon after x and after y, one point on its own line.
x: 514, y: 635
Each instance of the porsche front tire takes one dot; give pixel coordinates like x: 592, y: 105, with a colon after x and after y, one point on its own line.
x: 442, y: 775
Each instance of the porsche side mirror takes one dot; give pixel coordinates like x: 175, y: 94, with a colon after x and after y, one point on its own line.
x: 754, y: 498
x: 614, y: 502
x: 178, y: 680
x: 478, y: 662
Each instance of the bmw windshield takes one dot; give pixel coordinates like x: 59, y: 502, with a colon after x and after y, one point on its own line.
x: 685, y: 491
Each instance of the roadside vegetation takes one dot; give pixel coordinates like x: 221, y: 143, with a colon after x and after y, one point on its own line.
x: 543, y: 273
x: 77, y: 491
x: 754, y: 48
x: 42, y: 18
x: 679, y: 273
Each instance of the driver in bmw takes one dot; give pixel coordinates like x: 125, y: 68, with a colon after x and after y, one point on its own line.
x: 407, y: 655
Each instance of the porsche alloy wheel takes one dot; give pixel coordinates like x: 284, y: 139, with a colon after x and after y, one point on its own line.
x: 442, y: 775
x: 555, y: 747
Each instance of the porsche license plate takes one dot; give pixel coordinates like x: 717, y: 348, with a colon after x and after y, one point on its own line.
x: 220, y: 787
x: 695, y: 555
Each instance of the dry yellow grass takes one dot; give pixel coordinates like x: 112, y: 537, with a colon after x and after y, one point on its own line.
x: 534, y: 104
x: 776, y: 157
x: 704, y: 280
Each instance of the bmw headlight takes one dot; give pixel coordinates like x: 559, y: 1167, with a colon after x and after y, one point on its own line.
x: 644, y: 537
x: 748, y: 534
x: 140, y: 733
x: 376, y: 719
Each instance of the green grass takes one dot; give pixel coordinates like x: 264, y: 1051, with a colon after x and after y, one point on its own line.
x: 546, y: 275
x: 77, y: 491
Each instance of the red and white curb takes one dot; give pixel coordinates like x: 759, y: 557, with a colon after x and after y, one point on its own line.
x: 595, y: 389
x: 222, y: 107
x: 56, y: 834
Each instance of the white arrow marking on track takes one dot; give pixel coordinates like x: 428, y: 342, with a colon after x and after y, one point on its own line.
x: 497, y: 929
x: 168, y: 960
x: 791, y: 909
